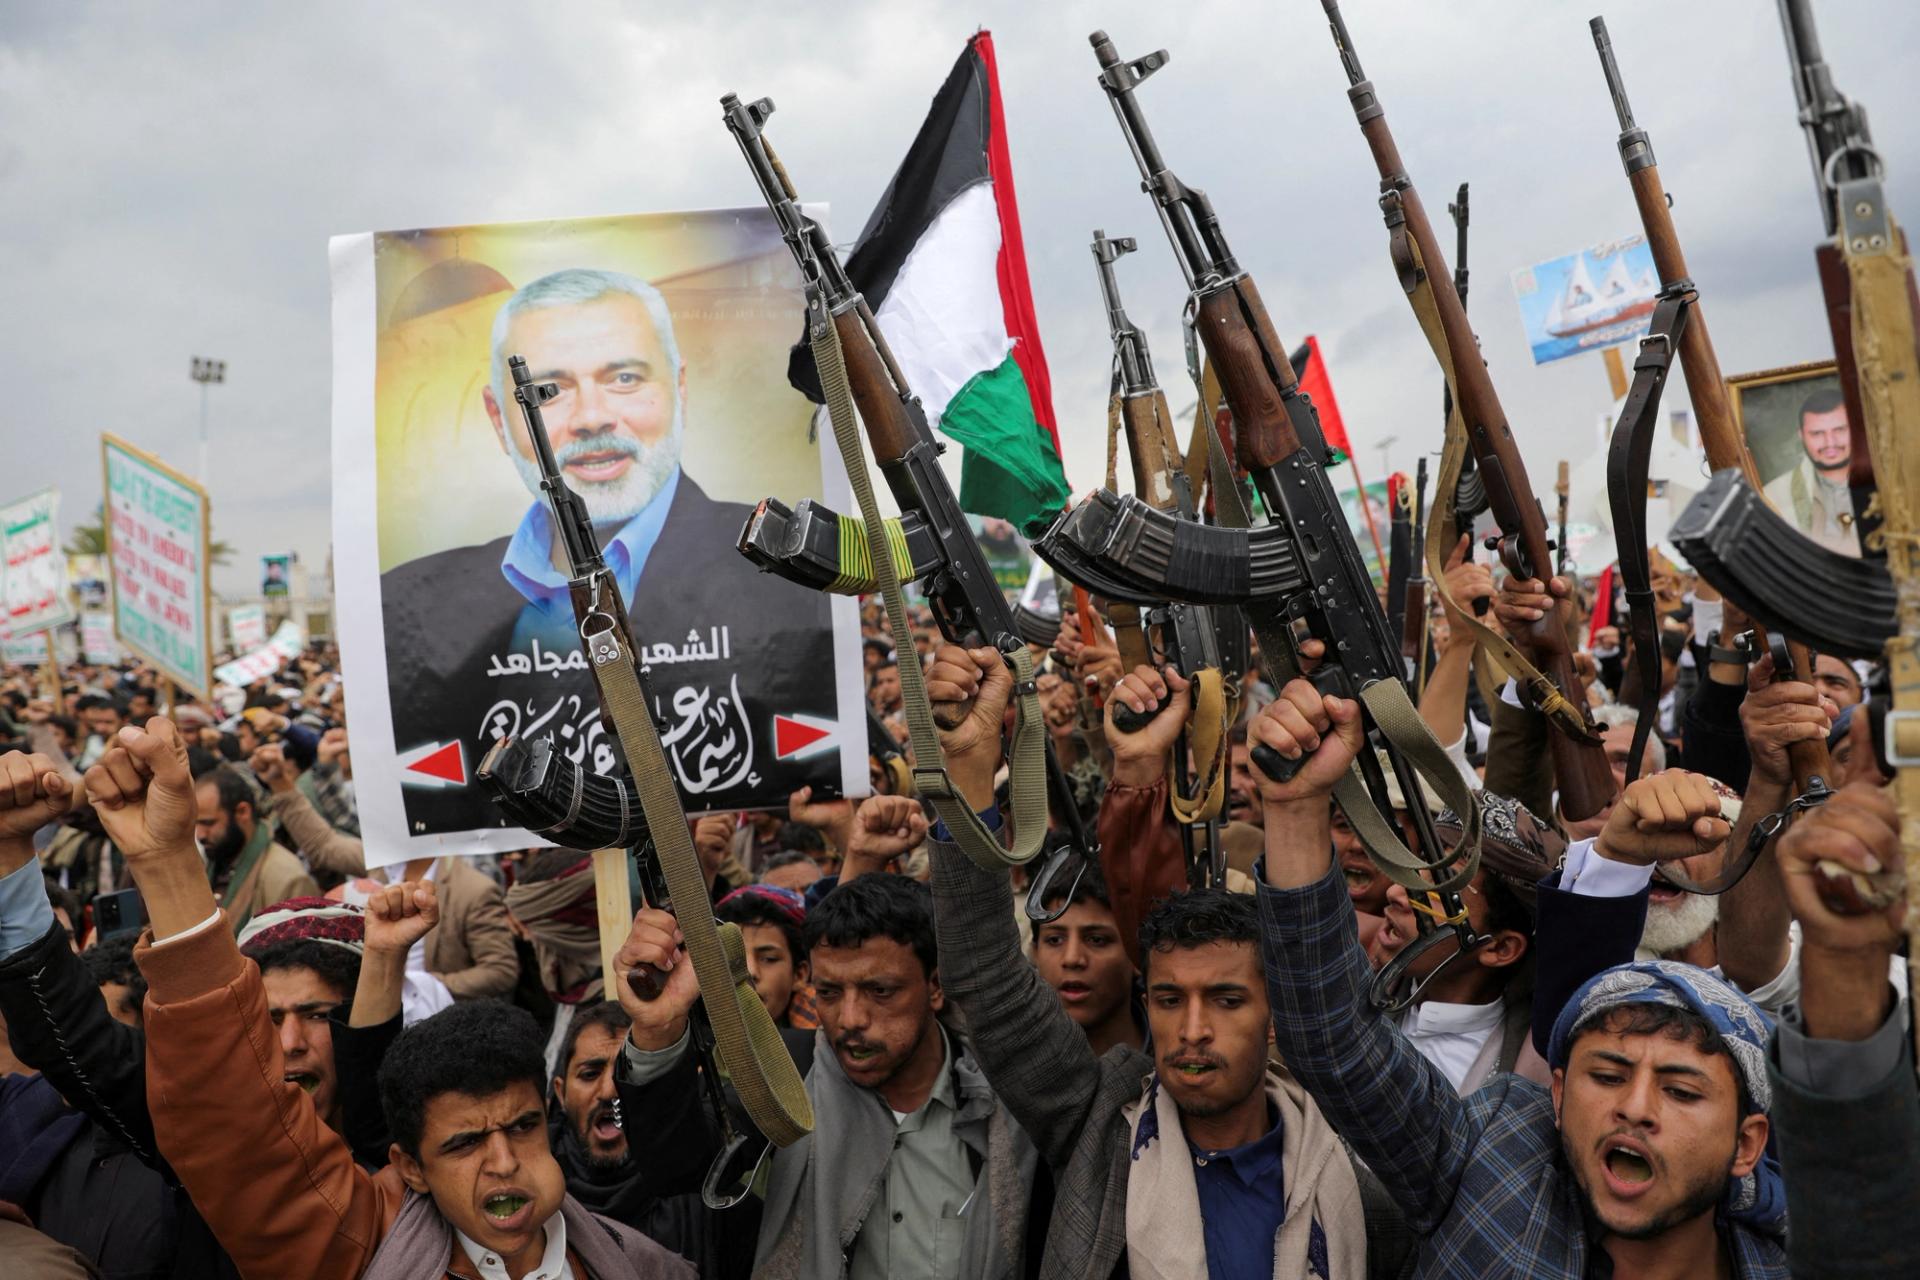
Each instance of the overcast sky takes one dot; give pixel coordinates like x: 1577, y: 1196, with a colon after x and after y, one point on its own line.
x: 170, y: 174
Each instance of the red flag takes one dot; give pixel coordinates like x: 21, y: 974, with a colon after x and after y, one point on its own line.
x: 1602, y: 604
x: 1310, y: 367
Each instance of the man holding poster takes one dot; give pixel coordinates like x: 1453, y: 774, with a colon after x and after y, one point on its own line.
x: 476, y: 632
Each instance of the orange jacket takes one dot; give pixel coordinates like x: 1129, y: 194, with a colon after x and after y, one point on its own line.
x: 278, y: 1187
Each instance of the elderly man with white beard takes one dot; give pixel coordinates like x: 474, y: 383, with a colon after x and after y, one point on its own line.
x: 479, y: 637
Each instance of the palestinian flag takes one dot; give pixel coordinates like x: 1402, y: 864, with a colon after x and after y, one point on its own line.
x: 942, y: 265
x: 1310, y: 367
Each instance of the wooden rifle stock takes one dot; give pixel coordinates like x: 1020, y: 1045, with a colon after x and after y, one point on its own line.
x: 1154, y: 453
x: 891, y: 429
x: 1413, y: 628
x: 1253, y: 369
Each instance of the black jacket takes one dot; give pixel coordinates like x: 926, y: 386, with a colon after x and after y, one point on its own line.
x: 107, y: 1193
x: 454, y: 673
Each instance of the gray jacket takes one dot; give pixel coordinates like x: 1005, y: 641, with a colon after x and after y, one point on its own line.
x: 1046, y: 1074
x: 822, y: 1187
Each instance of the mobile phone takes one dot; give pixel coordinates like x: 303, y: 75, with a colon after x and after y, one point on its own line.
x: 118, y: 913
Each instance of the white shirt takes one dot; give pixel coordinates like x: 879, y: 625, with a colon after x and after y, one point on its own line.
x: 1451, y: 1036
x: 553, y: 1263
x: 1586, y: 872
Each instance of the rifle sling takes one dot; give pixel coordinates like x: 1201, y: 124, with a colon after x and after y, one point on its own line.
x: 1628, y: 456
x: 1442, y: 532
x: 1387, y: 704
x: 749, y: 1043
x: 1026, y: 754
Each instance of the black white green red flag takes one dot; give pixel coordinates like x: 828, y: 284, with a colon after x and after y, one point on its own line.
x: 942, y: 265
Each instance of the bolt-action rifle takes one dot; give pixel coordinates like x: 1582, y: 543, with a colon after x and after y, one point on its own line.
x: 870, y: 555
x: 1679, y: 323
x: 1316, y: 583
x: 1580, y: 765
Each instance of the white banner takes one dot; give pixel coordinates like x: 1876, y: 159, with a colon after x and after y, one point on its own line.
x: 33, y: 574
x: 247, y: 624
x: 97, y: 646
x: 285, y: 646
x: 157, y: 546
x: 24, y: 651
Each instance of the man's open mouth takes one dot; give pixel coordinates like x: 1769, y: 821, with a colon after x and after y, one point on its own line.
x: 861, y: 1052
x: 605, y: 1124
x: 1075, y: 991
x: 305, y: 1079
x: 1629, y: 1167
x: 1193, y: 1068
x: 505, y: 1208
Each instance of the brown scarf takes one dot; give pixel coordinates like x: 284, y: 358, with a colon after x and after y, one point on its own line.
x: 561, y: 915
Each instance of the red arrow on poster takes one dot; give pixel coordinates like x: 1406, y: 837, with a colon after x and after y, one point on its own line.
x: 435, y: 765
x: 801, y: 735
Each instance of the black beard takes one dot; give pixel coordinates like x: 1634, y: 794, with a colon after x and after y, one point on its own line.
x: 228, y: 847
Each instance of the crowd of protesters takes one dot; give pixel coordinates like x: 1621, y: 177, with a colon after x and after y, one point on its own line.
x: 231, y: 1050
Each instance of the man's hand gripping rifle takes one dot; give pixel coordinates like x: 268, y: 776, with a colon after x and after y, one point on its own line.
x: 856, y: 369
x: 1298, y: 575
x: 730, y: 1028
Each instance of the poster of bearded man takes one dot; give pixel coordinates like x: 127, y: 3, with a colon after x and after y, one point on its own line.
x: 667, y: 336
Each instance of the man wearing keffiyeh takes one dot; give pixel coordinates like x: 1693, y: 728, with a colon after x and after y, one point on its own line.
x: 1647, y: 1154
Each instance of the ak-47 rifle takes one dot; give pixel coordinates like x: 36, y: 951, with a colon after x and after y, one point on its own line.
x: 1415, y: 618
x: 1469, y: 497
x: 1755, y: 556
x: 1300, y: 569
x: 1581, y: 770
x: 1678, y: 324
x: 535, y: 786
x: 1840, y: 147
x: 1170, y: 633
x: 1881, y: 340
x: 856, y: 368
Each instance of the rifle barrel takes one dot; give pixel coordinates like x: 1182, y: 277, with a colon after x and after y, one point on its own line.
x: 1348, y: 58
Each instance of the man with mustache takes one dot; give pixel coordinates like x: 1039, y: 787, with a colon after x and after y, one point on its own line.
x: 478, y: 626
x: 1196, y: 1158
x: 914, y: 1167
x: 1814, y: 493
x: 1650, y: 1145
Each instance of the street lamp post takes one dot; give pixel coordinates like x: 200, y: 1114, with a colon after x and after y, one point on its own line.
x: 206, y: 372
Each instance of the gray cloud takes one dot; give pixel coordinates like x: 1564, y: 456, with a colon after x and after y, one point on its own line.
x: 170, y: 175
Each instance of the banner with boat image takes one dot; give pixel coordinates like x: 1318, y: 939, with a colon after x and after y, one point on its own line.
x: 1599, y: 297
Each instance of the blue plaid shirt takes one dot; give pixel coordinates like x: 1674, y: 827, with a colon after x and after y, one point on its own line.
x: 1480, y: 1179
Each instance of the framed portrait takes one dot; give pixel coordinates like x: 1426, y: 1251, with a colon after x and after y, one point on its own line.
x: 1794, y: 420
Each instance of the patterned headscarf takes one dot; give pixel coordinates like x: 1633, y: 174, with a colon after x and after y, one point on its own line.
x: 1759, y: 1199
x: 788, y: 902
x: 340, y: 924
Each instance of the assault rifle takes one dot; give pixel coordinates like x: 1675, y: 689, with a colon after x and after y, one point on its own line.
x: 1469, y: 497
x: 1840, y: 148
x: 949, y: 565
x: 1581, y: 770
x: 1414, y: 618
x: 1678, y: 323
x: 730, y: 1028
x: 1171, y: 633
x: 1314, y: 578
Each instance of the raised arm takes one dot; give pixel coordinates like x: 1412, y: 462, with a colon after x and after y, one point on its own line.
x: 1443, y: 704
x: 55, y: 1017
x: 1035, y: 1056
x: 1394, y: 1108
x: 324, y: 848
x: 1140, y: 851
x: 224, y: 1115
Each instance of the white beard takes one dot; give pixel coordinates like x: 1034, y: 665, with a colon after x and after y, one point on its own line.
x: 614, y: 501
x: 1675, y: 927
